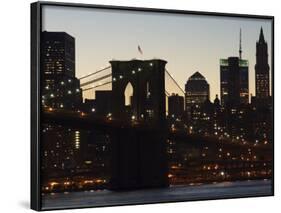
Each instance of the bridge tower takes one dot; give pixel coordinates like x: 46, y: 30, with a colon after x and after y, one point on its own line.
x: 147, y: 81
x: 139, y: 153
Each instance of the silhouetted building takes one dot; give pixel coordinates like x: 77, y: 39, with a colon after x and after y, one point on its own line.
x: 96, y: 153
x: 60, y: 149
x: 234, y: 81
x: 175, y: 105
x: 217, y: 102
x: 197, y: 91
x: 262, y: 68
x: 103, y: 102
x: 89, y: 105
x: 262, y: 103
x: 139, y: 157
x: 60, y: 87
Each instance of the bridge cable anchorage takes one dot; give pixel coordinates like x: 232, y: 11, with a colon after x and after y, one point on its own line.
x: 175, y: 81
x: 95, y: 80
x: 101, y: 70
x: 89, y: 88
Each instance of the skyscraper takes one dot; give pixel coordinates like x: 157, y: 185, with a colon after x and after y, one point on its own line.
x: 262, y: 68
x: 234, y: 79
x: 61, y: 146
x: 61, y: 89
x: 197, y: 90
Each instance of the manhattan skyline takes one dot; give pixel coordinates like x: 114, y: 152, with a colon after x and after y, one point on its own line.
x: 189, y: 43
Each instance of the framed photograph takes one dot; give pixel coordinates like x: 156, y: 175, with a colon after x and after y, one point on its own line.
x: 141, y: 105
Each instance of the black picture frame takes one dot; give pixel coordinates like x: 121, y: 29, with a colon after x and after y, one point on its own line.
x: 36, y: 28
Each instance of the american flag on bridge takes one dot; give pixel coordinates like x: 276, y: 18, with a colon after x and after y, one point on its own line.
x: 139, y: 49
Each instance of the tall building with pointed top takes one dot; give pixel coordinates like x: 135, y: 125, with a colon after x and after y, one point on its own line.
x: 262, y: 68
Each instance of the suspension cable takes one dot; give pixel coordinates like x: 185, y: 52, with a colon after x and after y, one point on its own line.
x: 95, y: 80
x: 175, y: 81
x: 86, y: 76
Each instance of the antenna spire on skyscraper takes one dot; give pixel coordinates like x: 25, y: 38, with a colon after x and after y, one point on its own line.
x: 240, y: 44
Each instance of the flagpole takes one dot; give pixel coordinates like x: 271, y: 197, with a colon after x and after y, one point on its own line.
x: 141, y: 52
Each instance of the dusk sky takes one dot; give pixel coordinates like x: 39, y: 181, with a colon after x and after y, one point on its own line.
x: 189, y: 43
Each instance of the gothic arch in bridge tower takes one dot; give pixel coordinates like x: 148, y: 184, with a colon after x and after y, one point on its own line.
x: 128, y: 94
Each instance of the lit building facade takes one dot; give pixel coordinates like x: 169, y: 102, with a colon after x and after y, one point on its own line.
x: 262, y: 68
x: 61, y: 148
x: 60, y: 87
x: 234, y: 81
x: 197, y: 91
